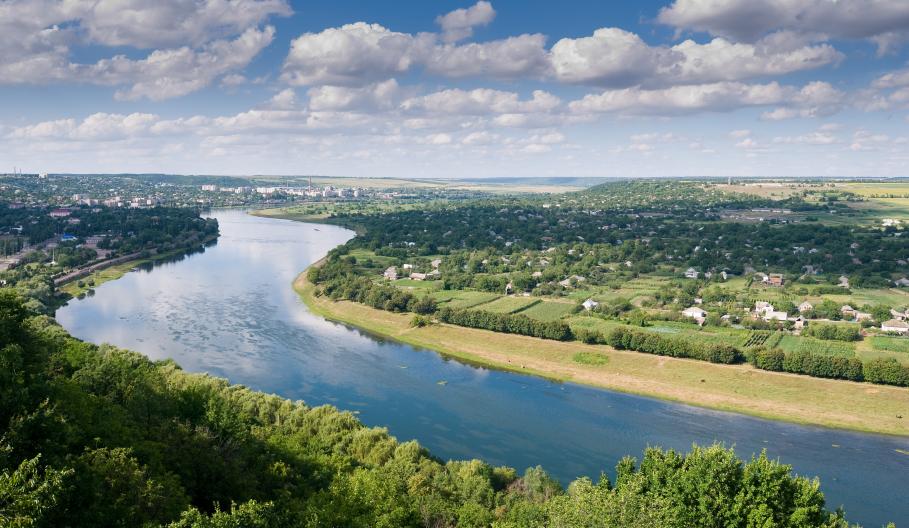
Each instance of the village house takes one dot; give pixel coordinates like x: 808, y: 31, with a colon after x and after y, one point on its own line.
x: 391, y: 273
x: 590, y: 304
x: 800, y: 322
x: 774, y: 279
x: 806, y: 307
x: 567, y: 282
x: 844, y: 282
x: 901, y: 282
x: 863, y: 316
x: 775, y: 316
x: 896, y: 326
x: 695, y: 313
x: 847, y: 311
x: 691, y: 273
x: 436, y: 263
x: 410, y: 266
x: 762, y: 307
x: 417, y: 276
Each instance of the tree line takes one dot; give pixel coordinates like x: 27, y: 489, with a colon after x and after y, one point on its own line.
x: 883, y: 371
x: 506, y: 323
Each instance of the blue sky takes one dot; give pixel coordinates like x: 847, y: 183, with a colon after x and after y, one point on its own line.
x: 456, y: 89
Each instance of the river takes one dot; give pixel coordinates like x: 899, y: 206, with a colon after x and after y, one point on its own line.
x: 230, y: 311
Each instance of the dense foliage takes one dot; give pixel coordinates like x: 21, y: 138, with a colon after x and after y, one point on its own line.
x: 834, y: 332
x: 506, y: 323
x: 96, y: 436
x: 622, y: 338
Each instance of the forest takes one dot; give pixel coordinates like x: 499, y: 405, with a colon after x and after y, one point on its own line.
x: 680, y: 225
x: 99, y: 436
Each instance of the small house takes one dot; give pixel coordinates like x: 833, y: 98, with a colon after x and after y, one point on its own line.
x: 691, y: 273
x: 590, y: 304
x: 436, y: 263
x: 391, y: 273
x: 896, y: 326
x: 847, y: 311
x: 806, y: 307
x: 775, y: 316
x: 901, y: 282
x: 863, y: 316
x: 695, y: 313
x: 417, y: 276
x: 775, y: 279
x: 762, y: 307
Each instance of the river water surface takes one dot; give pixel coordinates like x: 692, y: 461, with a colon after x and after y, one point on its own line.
x: 231, y: 311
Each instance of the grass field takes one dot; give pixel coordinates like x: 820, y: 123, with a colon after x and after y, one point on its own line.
x: 791, y: 343
x: 425, y: 286
x: 549, y: 310
x: 738, y: 388
x: 462, y: 299
x: 706, y: 335
x: 893, y: 344
x: 508, y: 304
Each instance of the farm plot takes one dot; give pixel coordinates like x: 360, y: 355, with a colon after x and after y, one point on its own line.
x: 508, y: 304
x: 791, y: 343
x: 891, y: 344
x: 459, y: 299
x: 418, y: 285
x: 548, y: 310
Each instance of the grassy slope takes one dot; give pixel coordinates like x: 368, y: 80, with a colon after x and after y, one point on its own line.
x: 738, y: 388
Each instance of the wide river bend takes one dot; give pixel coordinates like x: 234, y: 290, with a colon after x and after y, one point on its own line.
x: 230, y: 311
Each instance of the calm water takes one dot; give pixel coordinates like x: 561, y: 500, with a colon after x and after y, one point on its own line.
x: 230, y: 311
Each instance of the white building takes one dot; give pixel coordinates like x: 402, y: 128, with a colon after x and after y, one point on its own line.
x: 691, y: 273
x: 806, y: 307
x: 590, y: 304
x: 391, y: 273
x: 695, y: 313
x: 775, y: 316
x: 762, y: 307
x: 895, y: 325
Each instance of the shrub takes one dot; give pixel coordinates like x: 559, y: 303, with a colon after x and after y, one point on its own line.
x: 769, y: 359
x: 507, y: 323
x: 650, y: 343
x: 832, y: 332
x: 886, y: 371
x: 823, y: 366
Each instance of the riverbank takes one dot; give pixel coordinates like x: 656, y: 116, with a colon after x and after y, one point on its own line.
x: 288, y: 213
x: 737, y: 388
x: 115, y: 271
